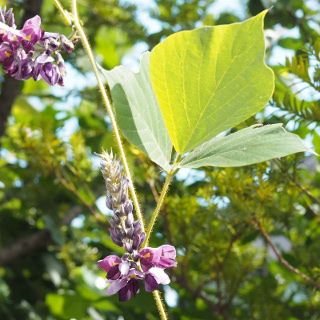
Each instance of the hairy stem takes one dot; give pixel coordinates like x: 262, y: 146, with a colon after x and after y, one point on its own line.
x: 106, y: 102
x: 160, y: 305
x: 108, y: 107
x: 158, y: 207
x: 66, y: 17
x: 284, y: 261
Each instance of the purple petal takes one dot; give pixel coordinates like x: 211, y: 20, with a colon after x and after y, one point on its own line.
x: 150, y: 283
x: 149, y: 257
x: 134, y: 273
x: 124, y: 294
x: 113, y: 273
x: 31, y: 29
x: 167, y: 258
x: 115, y: 286
x: 50, y: 73
x: 43, y: 58
x: 133, y: 286
x: 109, y: 262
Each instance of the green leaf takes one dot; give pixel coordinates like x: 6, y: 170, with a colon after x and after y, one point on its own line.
x: 67, y: 306
x: 210, y: 79
x: 138, y: 112
x: 251, y: 145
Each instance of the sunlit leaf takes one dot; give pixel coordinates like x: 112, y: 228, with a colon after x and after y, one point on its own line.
x: 138, y: 113
x: 210, y: 79
x: 247, y: 146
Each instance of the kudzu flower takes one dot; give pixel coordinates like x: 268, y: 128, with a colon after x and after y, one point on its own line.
x: 146, y: 264
x: 31, y: 52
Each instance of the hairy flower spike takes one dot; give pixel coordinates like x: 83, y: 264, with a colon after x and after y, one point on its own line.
x: 146, y: 264
x: 32, y: 52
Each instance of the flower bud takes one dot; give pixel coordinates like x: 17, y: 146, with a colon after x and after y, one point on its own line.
x: 67, y: 45
x: 129, y: 220
x: 130, y: 232
x: 128, y: 247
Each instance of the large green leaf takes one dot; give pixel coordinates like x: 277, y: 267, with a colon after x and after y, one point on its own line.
x: 251, y: 145
x: 138, y: 112
x: 210, y: 79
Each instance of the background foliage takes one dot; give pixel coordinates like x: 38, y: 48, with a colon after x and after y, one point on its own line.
x: 51, y: 191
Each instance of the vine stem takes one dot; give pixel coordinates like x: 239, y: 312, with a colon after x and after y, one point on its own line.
x: 63, y: 12
x: 160, y: 305
x: 155, y: 214
x: 106, y: 101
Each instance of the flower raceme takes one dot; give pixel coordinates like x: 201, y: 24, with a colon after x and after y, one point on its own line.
x: 146, y: 264
x: 31, y: 52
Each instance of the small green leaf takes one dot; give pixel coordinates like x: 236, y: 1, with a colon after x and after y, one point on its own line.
x: 251, y: 145
x: 210, y: 79
x: 138, y: 112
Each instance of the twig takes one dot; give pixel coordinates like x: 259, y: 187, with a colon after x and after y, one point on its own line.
x: 284, y: 261
x: 312, y: 210
x: 83, y: 201
x: 108, y: 106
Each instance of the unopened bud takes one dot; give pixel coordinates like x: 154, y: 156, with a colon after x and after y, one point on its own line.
x: 61, y: 66
x: 128, y: 247
x: 130, y: 232
x: 129, y: 220
x: 67, y: 45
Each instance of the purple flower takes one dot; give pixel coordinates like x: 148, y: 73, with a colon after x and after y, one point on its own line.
x: 31, y: 33
x: 32, y: 52
x: 107, y: 263
x: 162, y: 257
x: 50, y: 73
x: 148, y: 265
x: 125, y: 286
x: 24, y: 70
x: 154, y: 277
x: 5, y: 51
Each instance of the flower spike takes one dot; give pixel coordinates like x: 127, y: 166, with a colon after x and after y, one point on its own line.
x: 145, y: 264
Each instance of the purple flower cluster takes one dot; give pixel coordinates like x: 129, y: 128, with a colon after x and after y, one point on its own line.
x: 32, y: 52
x: 146, y: 264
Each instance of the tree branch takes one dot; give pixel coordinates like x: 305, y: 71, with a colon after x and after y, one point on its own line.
x: 282, y: 260
x: 28, y: 244
x: 24, y: 246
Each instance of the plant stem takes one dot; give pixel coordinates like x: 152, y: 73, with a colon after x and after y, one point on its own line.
x: 160, y: 305
x: 108, y: 107
x: 63, y: 12
x: 158, y: 207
